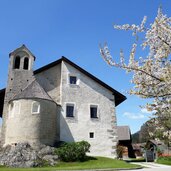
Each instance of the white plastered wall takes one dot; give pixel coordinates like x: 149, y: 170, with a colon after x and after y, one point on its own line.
x: 88, y: 92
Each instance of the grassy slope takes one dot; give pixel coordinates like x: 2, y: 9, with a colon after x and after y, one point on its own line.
x: 94, y: 163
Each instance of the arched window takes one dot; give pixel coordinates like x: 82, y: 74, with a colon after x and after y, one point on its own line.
x: 17, y: 108
x: 17, y: 62
x: 26, y: 63
x: 35, y: 108
x: 14, y: 109
x: 11, y: 110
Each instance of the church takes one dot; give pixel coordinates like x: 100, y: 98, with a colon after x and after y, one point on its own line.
x: 57, y: 102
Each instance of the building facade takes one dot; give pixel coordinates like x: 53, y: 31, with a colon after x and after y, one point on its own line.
x: 58, y: 102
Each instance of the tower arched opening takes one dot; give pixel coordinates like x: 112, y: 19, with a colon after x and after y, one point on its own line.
x: 17, y: 62
x: 26, y: 63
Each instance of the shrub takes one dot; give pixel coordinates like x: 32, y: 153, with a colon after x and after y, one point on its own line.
x: 119, y: 151
x: 75, y: 151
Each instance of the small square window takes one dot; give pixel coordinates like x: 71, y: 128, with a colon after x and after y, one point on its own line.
x: 70, y: 110
x: 91, y: 134
x: 73, y: 80
x: 93, y: 111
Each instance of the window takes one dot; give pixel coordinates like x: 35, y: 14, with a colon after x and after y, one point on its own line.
x: 17, y: 62
x: 70, y: 110
x: 73, y: 80
x: 11, y: 109
x: 26, y: 63
x: 93, y: 111
x: 91, y: 134
x: 14, y: 109
x: 35, y: 108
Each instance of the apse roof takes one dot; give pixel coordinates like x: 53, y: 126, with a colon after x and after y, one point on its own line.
x: 33, y: 90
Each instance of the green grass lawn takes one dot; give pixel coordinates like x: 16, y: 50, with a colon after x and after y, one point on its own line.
x: 164, y: 160
x: 93, y: 163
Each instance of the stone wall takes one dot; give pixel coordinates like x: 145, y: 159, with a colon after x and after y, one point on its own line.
x: 52, y: 122
x: 88, y: 92
x: 18, y: 79
x: 50, y: 80
x: 33, y: 128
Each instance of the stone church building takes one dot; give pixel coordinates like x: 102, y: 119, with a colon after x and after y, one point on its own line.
x: 58, y: 102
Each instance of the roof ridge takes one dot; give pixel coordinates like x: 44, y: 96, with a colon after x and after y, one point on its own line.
x: 25, y: 47
x: 119, y: 97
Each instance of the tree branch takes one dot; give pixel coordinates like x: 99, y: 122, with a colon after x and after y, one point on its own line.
x: 151, y: 95
x: 136, y: 69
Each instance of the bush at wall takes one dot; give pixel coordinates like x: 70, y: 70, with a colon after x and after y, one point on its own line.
x: 75, y: 151
x: 119, y: 151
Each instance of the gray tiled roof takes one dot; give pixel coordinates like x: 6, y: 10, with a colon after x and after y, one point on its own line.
x: 33, y: 90
x: 123, y: 133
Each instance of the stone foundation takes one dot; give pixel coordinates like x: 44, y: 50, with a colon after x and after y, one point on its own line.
x: 24, y: 155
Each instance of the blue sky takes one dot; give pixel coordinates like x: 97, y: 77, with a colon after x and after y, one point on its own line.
x: 74, y: 28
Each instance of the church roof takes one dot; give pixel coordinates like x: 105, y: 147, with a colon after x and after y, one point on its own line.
x: 123, y: 133
x: 21, y: 48
x: 119, y: 98
x: 33, y: 90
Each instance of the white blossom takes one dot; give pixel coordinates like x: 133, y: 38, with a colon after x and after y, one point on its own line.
x: 152, y: 73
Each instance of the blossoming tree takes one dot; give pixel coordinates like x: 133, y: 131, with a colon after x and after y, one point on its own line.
x: 152, y: 73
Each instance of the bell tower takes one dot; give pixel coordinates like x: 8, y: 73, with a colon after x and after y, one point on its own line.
x: 20, y: 75
x: 20, y: 72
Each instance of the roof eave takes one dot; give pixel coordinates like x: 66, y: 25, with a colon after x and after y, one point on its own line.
x: 119, y: 98
x: 23, y: 46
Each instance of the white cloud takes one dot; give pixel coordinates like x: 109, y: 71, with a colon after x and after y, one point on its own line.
x: 134, y: 115
x: 144, y: 110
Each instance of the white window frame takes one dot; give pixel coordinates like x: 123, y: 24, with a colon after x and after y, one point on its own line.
x: 17, y: 111
x: 70, y: 104
x: 38, y: 111
x: 77, y: 79
x: 12, y: 109
x: 98, y: 113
